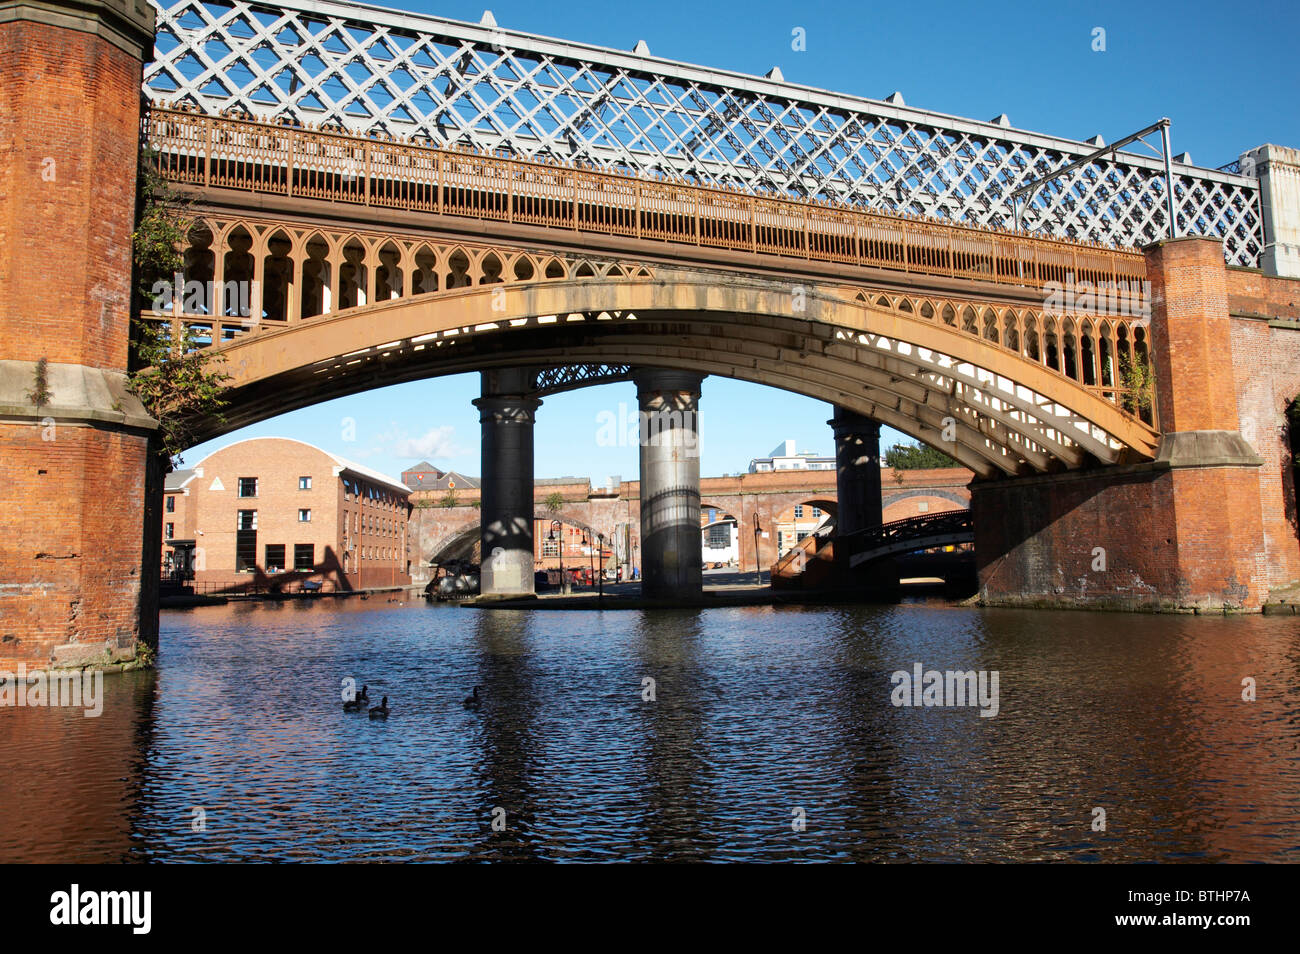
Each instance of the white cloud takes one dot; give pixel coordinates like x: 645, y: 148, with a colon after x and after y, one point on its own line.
x: 433, y: 443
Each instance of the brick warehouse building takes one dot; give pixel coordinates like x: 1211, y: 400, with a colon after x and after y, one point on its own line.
x: 269, y: 509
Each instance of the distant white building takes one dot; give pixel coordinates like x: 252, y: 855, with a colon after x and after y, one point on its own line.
x: 719, y: 538
x: 784, y: 457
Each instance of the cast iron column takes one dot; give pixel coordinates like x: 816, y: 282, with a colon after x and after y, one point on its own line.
x: 506, y: 413
x: 671, y: 554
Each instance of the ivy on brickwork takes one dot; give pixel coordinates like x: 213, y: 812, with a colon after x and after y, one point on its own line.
x: 1138, y: 381
x: 179, y: 382
x: 40, y: 393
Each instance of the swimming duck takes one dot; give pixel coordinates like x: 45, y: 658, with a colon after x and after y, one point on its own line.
x: 356, y: 702
x: 380, y: 711
x: 472, y: 702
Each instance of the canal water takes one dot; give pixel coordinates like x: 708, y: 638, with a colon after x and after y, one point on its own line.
x: 767, y: 733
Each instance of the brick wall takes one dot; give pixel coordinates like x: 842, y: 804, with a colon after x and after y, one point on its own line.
x: 70, y: 559
x: 1251, y: 292
x: 72, y: 552
x: 1266, y: 361
x: 1190, y: 536
x: 69, y: 135
x: 181, y: 518
x: 768, y: 496
x: 1190, y: 334
x: 357, y: 541
x: 1035, y: 539
x: 917, y: 503
x: 1166, y: 539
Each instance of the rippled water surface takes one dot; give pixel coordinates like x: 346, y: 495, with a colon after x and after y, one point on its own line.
x: 758, y: 713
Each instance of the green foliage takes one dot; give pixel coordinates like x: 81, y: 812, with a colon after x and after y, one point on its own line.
x: 1138, y: 380
x: 449, y: 499
x: 917, y: 457
x: 40, y: 392
x: 555, y: 501
x: 179, y: 382
x: 162, y: 220
x: 178, y: 386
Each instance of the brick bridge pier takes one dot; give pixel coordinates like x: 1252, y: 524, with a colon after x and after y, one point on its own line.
x: 75, y: 482
x: 1210, y: 524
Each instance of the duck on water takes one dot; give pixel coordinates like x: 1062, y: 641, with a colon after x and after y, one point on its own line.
x: 357, y: 702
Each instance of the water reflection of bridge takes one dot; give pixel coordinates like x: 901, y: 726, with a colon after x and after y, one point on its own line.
x: 552, y: 205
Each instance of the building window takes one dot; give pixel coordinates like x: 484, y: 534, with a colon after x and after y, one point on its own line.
x: 171, y: 503
x: 246, y: 541
x: 817, y: 512
x: 719, y: 536
x: 304, y: 483
x: 923, y: 506
x: 248, y: 486
x: 304, y: 556
x: 274, y: 557
x: 798, y: 511
x: 550, y: 548
x: 170, y: 531
x: 304, y: 515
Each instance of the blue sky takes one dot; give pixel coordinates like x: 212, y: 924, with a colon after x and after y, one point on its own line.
x: 1224, y: 74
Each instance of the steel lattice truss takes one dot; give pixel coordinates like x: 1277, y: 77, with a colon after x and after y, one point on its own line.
x: 573, y: 376
x: 381, y: 72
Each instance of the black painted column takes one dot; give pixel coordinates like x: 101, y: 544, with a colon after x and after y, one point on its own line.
x: 857, y: 471
x: 506, y: 412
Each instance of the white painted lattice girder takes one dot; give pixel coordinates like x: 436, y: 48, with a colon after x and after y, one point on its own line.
x: 989, y: 400
x: 374, y: 71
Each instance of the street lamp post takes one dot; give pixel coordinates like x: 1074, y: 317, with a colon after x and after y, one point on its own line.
x: 589, y: 543
x: 556, y: 525
x: 758, y: 567
x: 600, y: 593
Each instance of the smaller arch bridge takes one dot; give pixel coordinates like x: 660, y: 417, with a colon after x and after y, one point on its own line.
x: 907, y: 535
